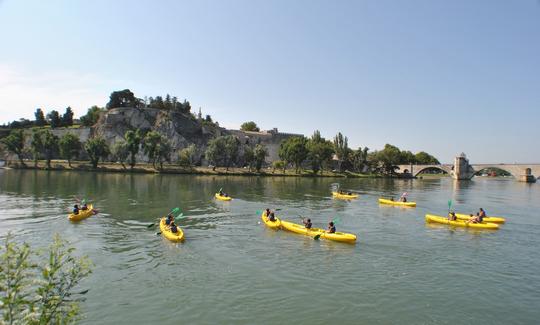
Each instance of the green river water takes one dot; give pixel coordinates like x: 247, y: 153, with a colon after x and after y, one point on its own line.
x: 233, y: 270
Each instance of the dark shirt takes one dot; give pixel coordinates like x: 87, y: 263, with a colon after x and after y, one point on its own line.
x: 75, y: 211
x: 332, y: 230
x: 308, y: 225
x: 174, y: 229
x: 168, y: 221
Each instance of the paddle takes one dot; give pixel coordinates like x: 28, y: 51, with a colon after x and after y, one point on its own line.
x: 173, y: 211
x: 259, y: 212
x: 335, y: 221
x: 449, y: 205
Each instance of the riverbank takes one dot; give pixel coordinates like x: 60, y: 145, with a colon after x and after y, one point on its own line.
x: 108, y: 167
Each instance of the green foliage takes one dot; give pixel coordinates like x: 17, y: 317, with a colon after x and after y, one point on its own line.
x: 341, y: 149
x: 187, y: 156
x: 222, y: 151
x: 40, y: 118
x: 14, y: 143
x: 133, y: 139
x: 249, y: 126
x: 320, y: 151
x: 157, y: 148
x: 120, y: 152
x: 50, y: 146
x: 122, y: 98
x: 54, y: 119
x: 37, y: 146
x: 294, y: 150
x: 249, y: 157
x: 69, y: 147
x: 42, y: 292
x: 91, y: 116
x: 170, y: 103
x: 424, y: 158
x: 260, y: 153
x: 97, y: 149
x: 359, y: 159
x: 67, y: 118
x: 279, y: 164
x: 386, y: 160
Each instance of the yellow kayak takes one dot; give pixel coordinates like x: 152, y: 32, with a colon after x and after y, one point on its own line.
x: 312, y: 232
x: 460, y: 223
x: 167, y: 233
x: 223, y: 198
x: 461, y: 216
x: 399, y: 203
x: 271, y: 224
x: 83, y: 214
x: 344, y: 196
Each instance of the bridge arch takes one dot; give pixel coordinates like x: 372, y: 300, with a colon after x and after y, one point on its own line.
x: 514, y: 173
x: 419, y: 170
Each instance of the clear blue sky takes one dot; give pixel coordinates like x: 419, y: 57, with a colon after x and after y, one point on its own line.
x: 439, y: 76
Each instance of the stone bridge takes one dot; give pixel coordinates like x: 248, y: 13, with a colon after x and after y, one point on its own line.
x: 461, y: 169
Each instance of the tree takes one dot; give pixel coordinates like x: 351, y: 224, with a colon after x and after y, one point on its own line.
x: 120, y: 152
x: 14, y: 143
x: 359, y: 159
x: 424, y: 158
x: 91, y: 116
x: 187, y: 155
x: 320, y: 151
x: 67, y: 118
x: 54, y: 119
x: 407, y: 157
x: 122, y: 98
x: 40, y: 117
x: 231, y: 150
x: 249, y: 157
x: 186, y: 107
x: 69, y: 147
x: 341, y: 149
x: 50, y: 146
x: 387, y: 159
x: 260, y: 153
x: 157, y: 148
x: 249, y: 126
x: 294, y: 150
x: 133, y: 139
x: 215, y: 152
x: 97, y: 149
x: 36, y: 146
x: 40, y: 291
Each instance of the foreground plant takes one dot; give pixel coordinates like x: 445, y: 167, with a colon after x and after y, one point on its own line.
x: 41, y: 292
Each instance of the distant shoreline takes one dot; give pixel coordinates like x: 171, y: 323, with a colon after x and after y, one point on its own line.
x: 62, y: 165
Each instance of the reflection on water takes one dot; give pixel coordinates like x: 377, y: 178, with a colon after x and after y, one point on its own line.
x: 231, y: 268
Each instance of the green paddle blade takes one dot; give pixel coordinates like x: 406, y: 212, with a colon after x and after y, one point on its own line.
x: 336, y: 220
x: 449, y: 204
x: 258, y: 212
x: 317, y: 237
x: 179, y: 216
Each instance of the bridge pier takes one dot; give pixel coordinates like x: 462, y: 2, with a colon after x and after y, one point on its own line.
x: 527, y: 176
x: 462, y: 169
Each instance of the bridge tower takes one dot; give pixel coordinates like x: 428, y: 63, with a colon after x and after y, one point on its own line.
x: 462, y: 169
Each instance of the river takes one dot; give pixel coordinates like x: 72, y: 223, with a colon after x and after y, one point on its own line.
x: 233, y: 270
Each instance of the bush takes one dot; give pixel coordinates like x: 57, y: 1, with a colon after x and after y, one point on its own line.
x: 40, y: 292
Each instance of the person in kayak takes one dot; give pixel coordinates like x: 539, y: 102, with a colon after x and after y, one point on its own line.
x: 272, y: 217
x: 221, y: 193
x: 481, y: 214
x: 474, y: 219
x: 452, y: 216
x: 169, y: 220
x: 331, y: 227
x: 76, y: 209
x: 307, y: 223
x: 84, y: 207
x: 173, y: 227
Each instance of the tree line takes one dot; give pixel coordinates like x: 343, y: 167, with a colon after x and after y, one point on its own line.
x: 314, y: 153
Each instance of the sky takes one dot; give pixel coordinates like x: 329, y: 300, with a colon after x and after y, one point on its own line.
x: 440, y: 76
